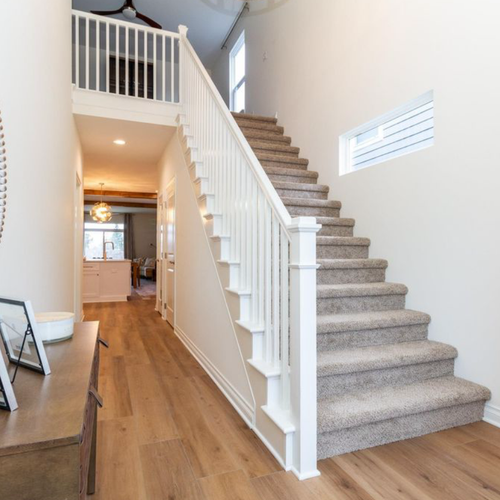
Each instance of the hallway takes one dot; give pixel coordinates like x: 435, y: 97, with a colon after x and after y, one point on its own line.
x: 166, y: 432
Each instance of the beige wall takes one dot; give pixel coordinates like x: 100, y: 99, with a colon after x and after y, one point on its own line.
x: 330, y: 65
x: 37, y: 259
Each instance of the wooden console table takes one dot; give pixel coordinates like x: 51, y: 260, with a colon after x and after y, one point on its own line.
x: 48, y: 445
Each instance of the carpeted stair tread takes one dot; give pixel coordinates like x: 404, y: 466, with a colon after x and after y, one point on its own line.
x: 288, y: 160
x: 342, y: 241
x: 335, y: 221
x: 360, y: 290
x: 262, y: 126
x: 301, y: 187
x: 259, y: 118
x: 273, y: 149
x: 352, y: 263
x: 310, y: 202
x: 361, y: 408
x: 336, y: 323
x: 294, y: 172
x: 262, y: 135
x: 363, y: 359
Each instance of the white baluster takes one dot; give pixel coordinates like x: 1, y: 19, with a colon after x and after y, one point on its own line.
x: 117, y: 59
x: 98, y: 56
x: 87, y: 53
x: 127, y: 59
x: 77, y: 51
x: 136, y: 73
x: 108, y: 41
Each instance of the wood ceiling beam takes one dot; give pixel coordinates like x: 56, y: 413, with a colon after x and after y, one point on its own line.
x: 129, y: 204
x: 121, y: 194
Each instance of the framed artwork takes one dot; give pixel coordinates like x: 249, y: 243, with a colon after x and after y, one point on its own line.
x: 7, y: 397
x: 20, y: 336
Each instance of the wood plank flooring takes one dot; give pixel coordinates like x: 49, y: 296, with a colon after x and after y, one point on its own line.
x: 167, y: 433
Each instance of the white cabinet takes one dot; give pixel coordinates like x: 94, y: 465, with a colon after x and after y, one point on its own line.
x: 90, y: 281
x: 106, y: 281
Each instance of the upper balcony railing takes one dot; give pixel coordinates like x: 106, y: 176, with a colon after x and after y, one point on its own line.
x: 125, y: 59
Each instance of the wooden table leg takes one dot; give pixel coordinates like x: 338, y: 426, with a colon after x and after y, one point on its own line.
x: 93, y: 459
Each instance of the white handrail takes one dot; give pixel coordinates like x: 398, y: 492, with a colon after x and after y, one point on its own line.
x: 125, y: 24
x: 146, y: 64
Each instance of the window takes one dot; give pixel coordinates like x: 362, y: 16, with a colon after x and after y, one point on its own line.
x: 97, y: 234
x: 237, y: 69
x: 406, y: 129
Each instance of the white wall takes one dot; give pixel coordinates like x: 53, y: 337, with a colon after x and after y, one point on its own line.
x: 200, y: 309
x: 37, y: 251
x: 334, y: 64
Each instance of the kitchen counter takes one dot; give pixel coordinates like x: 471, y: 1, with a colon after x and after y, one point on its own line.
x: 106, y: 280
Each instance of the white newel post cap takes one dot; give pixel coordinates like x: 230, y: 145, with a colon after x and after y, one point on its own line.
x: 304, y: 225
x: 303, y: 245
x: 183, y: 30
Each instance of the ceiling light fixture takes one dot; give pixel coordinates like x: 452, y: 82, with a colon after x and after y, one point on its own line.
x: 119, y: 142
x: 101, y: 212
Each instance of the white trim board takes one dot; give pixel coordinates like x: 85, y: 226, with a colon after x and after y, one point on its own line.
x: 239, y: 403
x: 492, y: 415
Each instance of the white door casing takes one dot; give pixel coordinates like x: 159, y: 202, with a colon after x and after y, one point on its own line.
x: 170, y: 252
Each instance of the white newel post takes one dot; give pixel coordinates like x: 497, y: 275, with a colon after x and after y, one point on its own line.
x: 303, y: 356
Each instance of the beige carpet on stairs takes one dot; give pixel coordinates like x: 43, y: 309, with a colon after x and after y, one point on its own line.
x: 379, y: 378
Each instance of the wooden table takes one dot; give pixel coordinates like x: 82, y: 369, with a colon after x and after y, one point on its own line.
x: 48, y: 445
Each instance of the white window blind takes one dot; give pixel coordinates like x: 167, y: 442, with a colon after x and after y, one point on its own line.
x: 404, y: 130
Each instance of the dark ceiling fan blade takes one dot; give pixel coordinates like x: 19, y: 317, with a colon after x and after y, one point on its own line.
x: 148, y: 20
x: 107, y: 12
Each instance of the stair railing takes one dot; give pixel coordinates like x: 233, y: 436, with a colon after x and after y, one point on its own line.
x: 123, y: 58
x: 275, y: 255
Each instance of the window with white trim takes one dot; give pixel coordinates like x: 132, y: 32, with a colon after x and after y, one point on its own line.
x: 237, y: 72
x: 404, y: 130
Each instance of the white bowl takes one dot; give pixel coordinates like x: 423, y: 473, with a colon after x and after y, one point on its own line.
x: 55, y: 327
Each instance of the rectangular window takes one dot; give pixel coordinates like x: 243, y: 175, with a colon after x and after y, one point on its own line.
x: 97, y: 235
x: 237, y: 71
x: 404, y: 130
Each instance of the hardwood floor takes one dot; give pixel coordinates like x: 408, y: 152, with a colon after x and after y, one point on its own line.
x: 167, y: 433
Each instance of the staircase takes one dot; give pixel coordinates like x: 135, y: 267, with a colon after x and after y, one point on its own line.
x: 379, y: 378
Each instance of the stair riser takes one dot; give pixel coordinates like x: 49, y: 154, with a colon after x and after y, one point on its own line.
x: 310, y: 195
x: 346, y: 276
x: 298, y: 211
x: 334, y: 385
x: 282, y: 164
x: 377, y: 336
x: 329, y: 230
x: 292, y: 178
x: 360, y: 304
x: 271, y: 151
x: 388, y: 431
x: 342, y: 252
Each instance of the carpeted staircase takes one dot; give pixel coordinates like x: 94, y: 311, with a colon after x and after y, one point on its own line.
x: 379, y: 379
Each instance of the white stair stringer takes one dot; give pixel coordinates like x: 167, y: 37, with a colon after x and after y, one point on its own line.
x: 273, y: 425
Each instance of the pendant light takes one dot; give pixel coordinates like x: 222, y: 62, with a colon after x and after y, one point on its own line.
x: 101, y: 212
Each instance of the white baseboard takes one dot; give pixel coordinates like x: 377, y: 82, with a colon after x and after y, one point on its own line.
x: 240, y: 404
x: 492, y: 415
